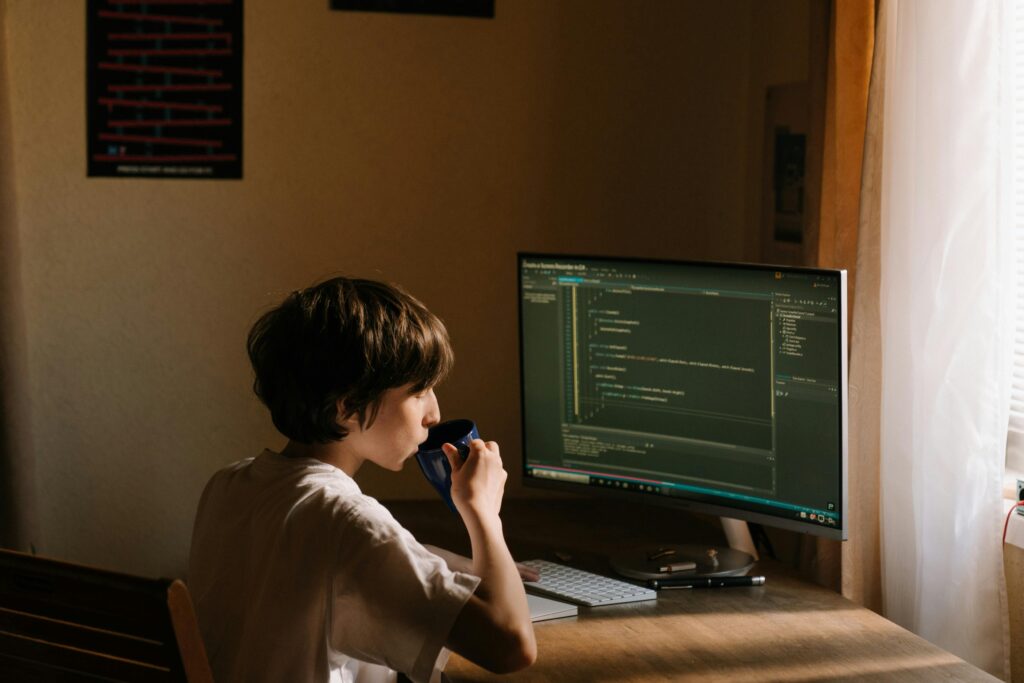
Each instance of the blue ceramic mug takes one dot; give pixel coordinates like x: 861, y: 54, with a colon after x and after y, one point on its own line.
x: 434, y: 462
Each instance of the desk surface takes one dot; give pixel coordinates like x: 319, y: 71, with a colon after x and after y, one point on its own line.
x: 787, y: 630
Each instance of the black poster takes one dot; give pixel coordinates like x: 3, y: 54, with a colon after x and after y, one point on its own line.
x: 164, y: 95
x: 463, y: 8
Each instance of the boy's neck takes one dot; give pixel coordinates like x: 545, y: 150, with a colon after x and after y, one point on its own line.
x: 333, y: 453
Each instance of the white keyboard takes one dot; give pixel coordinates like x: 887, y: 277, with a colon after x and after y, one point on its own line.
x: 583, y: 587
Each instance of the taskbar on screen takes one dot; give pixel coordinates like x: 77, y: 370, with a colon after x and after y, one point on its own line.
x: 826, y: 518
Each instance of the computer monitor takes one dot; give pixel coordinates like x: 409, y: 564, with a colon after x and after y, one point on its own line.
x: 716, y: 387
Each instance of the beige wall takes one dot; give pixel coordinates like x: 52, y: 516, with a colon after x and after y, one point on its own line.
x: 420, y: 150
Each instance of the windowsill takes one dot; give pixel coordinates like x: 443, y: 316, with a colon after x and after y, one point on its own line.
x: 1010, y: 479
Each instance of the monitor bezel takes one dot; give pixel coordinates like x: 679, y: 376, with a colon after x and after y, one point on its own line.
x: 840, y: 532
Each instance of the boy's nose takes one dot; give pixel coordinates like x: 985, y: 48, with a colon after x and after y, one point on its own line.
x: 433, y: 414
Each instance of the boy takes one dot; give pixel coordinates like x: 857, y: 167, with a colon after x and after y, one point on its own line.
x: 298, y: 576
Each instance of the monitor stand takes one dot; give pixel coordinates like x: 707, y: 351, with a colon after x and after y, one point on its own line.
x: 659, y: 562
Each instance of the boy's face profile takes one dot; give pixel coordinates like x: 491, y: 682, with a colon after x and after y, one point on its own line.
x: 401, y: 426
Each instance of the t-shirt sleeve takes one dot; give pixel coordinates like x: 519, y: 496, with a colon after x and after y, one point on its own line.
x: 394, y: 602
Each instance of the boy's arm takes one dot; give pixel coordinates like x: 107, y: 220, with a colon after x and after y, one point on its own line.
x: 455, y: 562
x: 461, y: 563
x: 494, y: 629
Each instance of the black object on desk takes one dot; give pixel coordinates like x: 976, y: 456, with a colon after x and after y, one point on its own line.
x: 707, y: 582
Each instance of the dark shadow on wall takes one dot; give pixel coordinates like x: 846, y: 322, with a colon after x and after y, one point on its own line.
x: 18, y: 528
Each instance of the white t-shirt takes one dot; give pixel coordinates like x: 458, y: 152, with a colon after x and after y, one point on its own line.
x: 298, y: 576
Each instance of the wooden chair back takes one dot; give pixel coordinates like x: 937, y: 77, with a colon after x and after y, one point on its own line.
x: 62, y: 621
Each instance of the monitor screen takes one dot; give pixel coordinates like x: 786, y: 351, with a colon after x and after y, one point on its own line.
x: 719, y: 387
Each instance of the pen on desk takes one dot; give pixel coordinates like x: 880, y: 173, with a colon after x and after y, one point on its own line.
x: 707, y: 582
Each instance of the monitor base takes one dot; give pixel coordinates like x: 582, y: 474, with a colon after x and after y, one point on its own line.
x: 685, y: 561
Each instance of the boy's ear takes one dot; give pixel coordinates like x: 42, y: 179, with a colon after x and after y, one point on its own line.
x: 351, y: 422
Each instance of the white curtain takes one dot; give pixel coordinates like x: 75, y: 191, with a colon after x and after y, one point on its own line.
x: 946, y: 327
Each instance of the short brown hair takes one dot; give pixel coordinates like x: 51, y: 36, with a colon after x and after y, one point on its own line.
x: 347, y: 339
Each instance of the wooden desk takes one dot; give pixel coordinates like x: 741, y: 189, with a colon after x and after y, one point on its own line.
x: 787, y: 630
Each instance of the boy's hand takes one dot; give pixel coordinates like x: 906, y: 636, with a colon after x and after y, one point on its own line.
x: 527, y: 573
x: 478, y: 482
